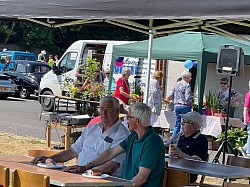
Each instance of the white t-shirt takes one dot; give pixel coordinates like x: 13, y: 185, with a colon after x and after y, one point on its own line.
x: 93, y: 142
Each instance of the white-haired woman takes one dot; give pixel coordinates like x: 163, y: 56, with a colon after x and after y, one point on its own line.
x: 106, y: 80
x: 122, y: 90
x: 183, y: 99
x: 155, y: 96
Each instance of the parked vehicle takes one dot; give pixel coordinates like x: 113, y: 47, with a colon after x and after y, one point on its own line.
x: 27, y: 76
x: 18, y: 55
x: 7, y: 86
x: 52, y: 82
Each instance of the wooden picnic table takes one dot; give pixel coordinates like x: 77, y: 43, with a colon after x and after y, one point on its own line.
x: 57, y: 176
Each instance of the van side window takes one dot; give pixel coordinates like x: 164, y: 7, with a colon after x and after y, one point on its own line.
x: 68, y: 62
x: 31, y: 58
x: 20, y: 68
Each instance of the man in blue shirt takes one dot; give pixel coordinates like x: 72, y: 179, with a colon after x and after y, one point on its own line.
x: 190, y: 144
x: 145, y: 153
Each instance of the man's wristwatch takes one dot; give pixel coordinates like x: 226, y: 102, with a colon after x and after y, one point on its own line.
x: 89, y: 165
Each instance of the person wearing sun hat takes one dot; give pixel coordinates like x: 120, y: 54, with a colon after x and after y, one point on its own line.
x: 190, y: 144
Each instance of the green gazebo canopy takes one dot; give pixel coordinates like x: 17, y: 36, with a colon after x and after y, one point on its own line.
x: 200, y: 46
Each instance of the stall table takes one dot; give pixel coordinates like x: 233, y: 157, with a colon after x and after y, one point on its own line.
x: 211, y: 124
x: 66, y: 103
x: 67, y: 128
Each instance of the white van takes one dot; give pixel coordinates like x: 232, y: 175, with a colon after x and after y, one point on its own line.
x: 52, y: 82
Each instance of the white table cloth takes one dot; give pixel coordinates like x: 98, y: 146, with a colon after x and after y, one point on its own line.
x: 211, y: 124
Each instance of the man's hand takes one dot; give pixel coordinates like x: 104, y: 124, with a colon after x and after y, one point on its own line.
x: 75, y: 169
x: 41, y: 159
x: 176, y: 152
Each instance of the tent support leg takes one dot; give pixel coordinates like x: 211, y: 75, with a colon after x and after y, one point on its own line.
x: 150, y: 44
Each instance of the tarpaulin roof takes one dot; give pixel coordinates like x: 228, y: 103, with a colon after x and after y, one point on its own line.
x: 200, y: 46
x: 129, y: 9
x: 181, y: 46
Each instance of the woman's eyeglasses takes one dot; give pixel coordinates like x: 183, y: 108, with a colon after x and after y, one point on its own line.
x: 187, y: 122
x: 223, y: 82
x: 130, y: 117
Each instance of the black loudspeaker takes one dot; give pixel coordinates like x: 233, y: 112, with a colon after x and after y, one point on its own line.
x: 230, y: 61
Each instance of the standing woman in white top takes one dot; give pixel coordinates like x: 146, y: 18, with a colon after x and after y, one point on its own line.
x: 155, y: 96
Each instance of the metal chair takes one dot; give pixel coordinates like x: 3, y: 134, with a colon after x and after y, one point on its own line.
x: 22, y: 178
x: 4, y: 176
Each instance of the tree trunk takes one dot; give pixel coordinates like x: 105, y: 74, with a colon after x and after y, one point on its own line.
x: 8, y: 36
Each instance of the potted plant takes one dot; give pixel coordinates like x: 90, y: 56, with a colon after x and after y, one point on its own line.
x: 236, y: 137
x: 93, y: 91
x: 210, y: 103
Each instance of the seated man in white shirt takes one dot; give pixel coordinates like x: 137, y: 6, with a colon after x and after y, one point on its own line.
x: 97, y: 138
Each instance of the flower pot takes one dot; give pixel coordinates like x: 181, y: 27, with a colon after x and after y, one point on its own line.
x: 213, y: 111
x: 208, y: 111
x: 219, y: 115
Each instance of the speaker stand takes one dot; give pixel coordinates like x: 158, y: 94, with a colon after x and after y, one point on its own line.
x: 224, y: 145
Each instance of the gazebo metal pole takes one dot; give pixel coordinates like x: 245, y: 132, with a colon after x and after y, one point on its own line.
x: 150, y: 44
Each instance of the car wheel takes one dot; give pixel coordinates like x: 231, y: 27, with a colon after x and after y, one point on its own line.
x: 24, y: 93
x: 46, y: 102
x: 3, y: 96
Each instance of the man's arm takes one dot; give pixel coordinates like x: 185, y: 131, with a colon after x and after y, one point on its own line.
x: 176, y: 152
x: 141, y: 177
x: 245, y: 112
x: 63, y: 156
x: 101, y: 159
x: 108, y: 168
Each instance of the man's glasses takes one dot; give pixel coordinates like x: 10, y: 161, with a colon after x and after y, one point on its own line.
x: 130, y: 117
x: 187, y: 122
x: 103, y: 109
x: 223, y: 82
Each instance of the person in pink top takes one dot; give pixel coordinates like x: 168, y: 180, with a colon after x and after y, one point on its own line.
x: 122, y: 90
x: 246, y: 115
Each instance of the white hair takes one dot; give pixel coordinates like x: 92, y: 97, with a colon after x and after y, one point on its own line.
x: 186, y: 74
x: 125, y: 71
x: 112, y: 99
x: 142, y: 112
x: 107, y: 70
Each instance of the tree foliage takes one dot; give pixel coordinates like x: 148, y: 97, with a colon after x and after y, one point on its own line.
x: 30, y: 35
